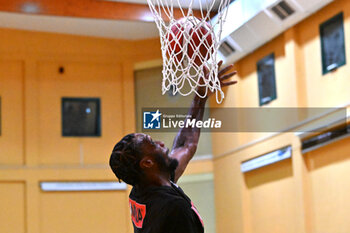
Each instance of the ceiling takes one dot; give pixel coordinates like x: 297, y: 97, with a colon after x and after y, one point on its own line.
x: 117, y: 29
x: 120, y: 19
x: 196, y: 4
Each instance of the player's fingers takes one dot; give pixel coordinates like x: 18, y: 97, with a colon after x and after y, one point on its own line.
x: 227, y: 76
x: 229, y: 83
x: 220, y: 64
x: 224, y: 70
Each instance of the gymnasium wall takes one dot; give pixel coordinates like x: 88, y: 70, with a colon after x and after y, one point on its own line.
x: 295, y: 195
x: 32, y: 148
x: 306, y: 193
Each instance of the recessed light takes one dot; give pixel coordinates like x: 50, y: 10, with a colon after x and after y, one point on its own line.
x: 30, y: 8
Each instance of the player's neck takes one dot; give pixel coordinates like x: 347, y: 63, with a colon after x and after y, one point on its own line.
x: 158, y: 179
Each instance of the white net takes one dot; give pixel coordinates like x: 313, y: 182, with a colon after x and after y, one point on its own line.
x: 190, y: 38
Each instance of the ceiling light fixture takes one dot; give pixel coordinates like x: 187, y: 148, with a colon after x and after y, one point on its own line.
x: 147, y: 17
x: 30, y: 7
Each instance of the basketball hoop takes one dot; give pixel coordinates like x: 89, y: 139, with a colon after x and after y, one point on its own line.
x: 189, y: 43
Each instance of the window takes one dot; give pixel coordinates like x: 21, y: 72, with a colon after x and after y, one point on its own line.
x: 332, y: 43
x: 81, y: 117
x: 266, y: 79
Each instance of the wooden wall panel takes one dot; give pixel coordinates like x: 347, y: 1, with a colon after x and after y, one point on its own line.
x: 71, y: 212
x: 31, y: 146
x: 314, y: 194
x: 263, y: 200
x: 330, y: 89
x: 79, y: 80
x: 228, y: 183
x: 330, y: 187
x: 11, y: 112
x: 12, y: 202
x: 246, y: 93
x: 271, y: 195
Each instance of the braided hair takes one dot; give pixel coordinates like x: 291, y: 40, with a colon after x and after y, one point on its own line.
x: 125, y: 159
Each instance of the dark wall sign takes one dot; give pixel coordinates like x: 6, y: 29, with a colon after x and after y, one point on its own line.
x: 332, y: 43
x: 266, y: 79
x: 81, y: 117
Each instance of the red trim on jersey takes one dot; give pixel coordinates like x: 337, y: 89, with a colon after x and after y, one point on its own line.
x: 196, y: 211
x: 138, y: 213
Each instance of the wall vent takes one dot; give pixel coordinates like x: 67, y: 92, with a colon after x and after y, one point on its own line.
x: 226, y: 49
x: 283, y: 10
x: 251, y: 25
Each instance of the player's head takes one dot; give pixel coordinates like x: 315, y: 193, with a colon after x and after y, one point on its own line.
x: 137, y: 155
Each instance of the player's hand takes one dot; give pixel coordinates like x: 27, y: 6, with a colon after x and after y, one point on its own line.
x: 222, y: 76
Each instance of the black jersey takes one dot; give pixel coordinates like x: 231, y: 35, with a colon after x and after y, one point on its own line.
x: 163, y: 209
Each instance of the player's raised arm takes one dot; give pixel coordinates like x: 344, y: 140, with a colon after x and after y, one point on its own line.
x: 185, y: 142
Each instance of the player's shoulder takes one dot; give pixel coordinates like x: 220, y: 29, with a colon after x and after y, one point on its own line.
x: 178, y: 203
x: 169, y: 198
x: 168, y: 194
x: 160, y: 193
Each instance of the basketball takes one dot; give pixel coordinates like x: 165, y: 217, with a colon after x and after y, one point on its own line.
x: 190, y: 39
